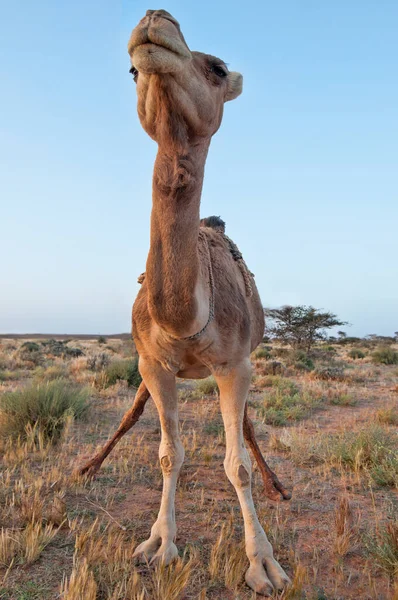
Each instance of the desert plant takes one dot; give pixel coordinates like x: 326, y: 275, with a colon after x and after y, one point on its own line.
x: 356, y: 353
x: 371, y: 450
x: 263, y: 352
x: 385, y: 356
x: 43, y: 407
x: 299, y: 326
x: 102, y: 339
x: 285, y: 403
x: 329, y: 372
x: 123, y: 370
x: 383, y: 546
x: 207, y: 386
x: 97, y: 362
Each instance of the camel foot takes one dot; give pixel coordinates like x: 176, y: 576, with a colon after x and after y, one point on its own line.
x: 273, y: 488
x: 265, y: 576
x: 90, y: 469
x: 155, y: 551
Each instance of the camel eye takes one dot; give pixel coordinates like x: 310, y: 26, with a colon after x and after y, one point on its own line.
x: 219, y: 70
x: 134, y: 73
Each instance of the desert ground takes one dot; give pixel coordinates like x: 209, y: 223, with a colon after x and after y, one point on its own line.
x: 326, y: 423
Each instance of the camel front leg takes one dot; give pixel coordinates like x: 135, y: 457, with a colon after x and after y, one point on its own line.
x: 160, y: 546
x: 264, y: 573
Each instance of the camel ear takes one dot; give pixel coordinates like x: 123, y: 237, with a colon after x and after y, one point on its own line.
x: 235, y: 84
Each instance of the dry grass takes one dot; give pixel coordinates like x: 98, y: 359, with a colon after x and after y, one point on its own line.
x: 68, y: 538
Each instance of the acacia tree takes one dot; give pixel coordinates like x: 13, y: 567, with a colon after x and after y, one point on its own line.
x: 299, y: 326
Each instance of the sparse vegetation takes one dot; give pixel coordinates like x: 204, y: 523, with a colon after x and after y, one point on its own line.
x: 285, y: 403
x: 123, y: 370
x: 356, y: 353
x: 43, y: 408
x: 385, y: 356
x: 207, y: 386
x: 336, y: 449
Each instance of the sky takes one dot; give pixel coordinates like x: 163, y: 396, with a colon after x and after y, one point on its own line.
x: 304, y: 168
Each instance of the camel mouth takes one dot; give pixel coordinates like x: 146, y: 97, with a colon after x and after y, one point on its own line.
x: 157, y: 39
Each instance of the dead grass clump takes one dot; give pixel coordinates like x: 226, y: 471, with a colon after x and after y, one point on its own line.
x: 387, y: 415
x: 45, y: 408
x: 270, y: 367
x: 345, y: 531
x: 81, y: 584
x: 170, y: 581
x: 97, y: 362
x: 228, y: 561
x: 25, y: 547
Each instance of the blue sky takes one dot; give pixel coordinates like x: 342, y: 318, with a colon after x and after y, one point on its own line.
x: 303, y: 169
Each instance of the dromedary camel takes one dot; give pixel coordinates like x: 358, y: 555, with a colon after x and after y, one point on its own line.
x: 193, y: 315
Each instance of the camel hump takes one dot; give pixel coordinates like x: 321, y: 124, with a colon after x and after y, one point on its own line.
x: 214, y: 223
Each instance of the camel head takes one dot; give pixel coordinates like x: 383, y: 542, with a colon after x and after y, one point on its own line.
x: 181, y: 93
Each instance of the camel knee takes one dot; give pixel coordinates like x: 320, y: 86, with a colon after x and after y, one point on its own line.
x: 238, y: 470
x: 171, y: 457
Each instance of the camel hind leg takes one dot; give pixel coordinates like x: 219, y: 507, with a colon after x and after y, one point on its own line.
x: 130, y: 418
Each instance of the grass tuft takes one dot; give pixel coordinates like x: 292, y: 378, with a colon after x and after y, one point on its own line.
x: 44, y: 408
x: 123, y: 370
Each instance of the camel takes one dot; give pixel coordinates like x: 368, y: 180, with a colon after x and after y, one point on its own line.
x: 194, y: 315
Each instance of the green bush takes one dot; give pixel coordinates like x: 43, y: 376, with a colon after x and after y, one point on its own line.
x: 262, y: 353
x: 30, y: 347
x: 42, y: 407
x: 285, y: 403
x: 356, y: 353
x: 385, y: 356
x: 60, y: 348
x: 207, y: 386
x: 102, y: 339
x: 302, y: 361
x: 123, y: 370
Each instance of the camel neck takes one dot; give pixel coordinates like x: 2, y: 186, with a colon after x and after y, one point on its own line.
x: 173, y: 264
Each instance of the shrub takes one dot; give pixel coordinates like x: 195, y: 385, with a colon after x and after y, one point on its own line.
x: 207, y: 386
x: 60, y: 348
x: 30, y: 347
x: 102, y: 339
x: 273, y: 367
x: 383, y: 546
x: 356, y: 353
x: 42, y: 407
x: 285, y: 402
x: 262, y: 353
x: 98, y: 361
x: 123, y: 370
x: 329, y: 372
x: 301, y: 361
x: 385, y: 356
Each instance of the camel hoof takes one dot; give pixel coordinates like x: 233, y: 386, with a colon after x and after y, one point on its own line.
x: 256, y: 578
x: 166, y: 554
x: 88, y: 471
